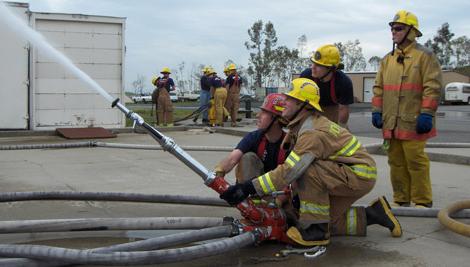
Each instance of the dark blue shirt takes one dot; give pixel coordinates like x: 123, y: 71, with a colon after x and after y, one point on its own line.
x: 216, y: 82
x: 250, y: 143
x: 166, y: 83
x: 205, y: 83
x: 234, y: 79
x: 343, y: 88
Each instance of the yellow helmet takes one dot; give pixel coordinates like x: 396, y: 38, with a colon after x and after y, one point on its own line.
x: 407, y: 18
x: 154, y: 80
x: 326, y: 55
x: 165, y: 70
x: 206, y: 69
x: 232, y: 67
x: 226, y: 70
x: 211, y: 71
x: 306, y: 90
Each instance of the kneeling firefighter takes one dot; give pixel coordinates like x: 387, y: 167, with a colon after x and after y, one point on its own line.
x: 259, y: 151
x: 331, y: 170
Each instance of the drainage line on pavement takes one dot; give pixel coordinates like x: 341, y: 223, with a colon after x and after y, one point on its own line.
x: 141, y: 245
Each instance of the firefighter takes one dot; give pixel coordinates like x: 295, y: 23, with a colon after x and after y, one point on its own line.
x: 336, y: 88
x: 154, y: 81
x: 205, y: 94
x: 164, y: 106
x: 331, y: 170
x: 259, y: 151
x: 406, y: 96
x: 219, y: 96
x: 233, y: 84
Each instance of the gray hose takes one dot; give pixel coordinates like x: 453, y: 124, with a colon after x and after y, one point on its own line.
x: 157, y: 147
x: 111, y: 196
x: 111, y: 145
x: 148, y: 244
x: 432, y: 212
x: 76, y: 256
x: 102, y: 224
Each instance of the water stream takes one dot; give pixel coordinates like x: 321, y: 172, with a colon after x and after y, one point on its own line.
x: 20, y: 28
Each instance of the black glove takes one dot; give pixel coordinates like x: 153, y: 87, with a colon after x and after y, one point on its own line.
x: 238, y: 192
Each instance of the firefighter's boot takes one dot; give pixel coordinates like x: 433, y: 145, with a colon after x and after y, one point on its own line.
x: 379, y: 212
x: 314, y: 235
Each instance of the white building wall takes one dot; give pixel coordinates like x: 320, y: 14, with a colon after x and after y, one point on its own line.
x: 96, y: 46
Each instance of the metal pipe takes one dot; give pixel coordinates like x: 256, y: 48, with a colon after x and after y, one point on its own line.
x: 168, y: 144
x: 101, y: 224
x: 75, y: 256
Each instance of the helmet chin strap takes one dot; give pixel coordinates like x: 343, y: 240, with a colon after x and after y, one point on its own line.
x: 299, y: 110
x: 326, y: 74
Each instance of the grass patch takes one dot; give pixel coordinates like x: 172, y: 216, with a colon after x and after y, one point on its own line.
x: 150, y: 119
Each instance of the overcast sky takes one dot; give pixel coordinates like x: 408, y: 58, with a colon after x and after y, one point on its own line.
x: 166, y: 33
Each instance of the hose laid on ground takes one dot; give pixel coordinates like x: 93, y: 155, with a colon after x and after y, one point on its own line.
x: 75, y: 256
x: 189, y: 148
x: 141, y: 245
x: 425, y: 212
x: 101, y: 224
x: 111, y: 196
x: 453, y: 225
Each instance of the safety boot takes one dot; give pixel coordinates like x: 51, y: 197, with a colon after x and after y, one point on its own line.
x: 314, y: 235
x: 423, y: 205
x: 379, y: 212
x: 397, y: 204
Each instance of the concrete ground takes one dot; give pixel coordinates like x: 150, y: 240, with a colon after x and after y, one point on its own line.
x: 425, y: 242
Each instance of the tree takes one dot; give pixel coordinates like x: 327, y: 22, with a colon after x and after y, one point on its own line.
x: 302, y: 45
x: 374, y: 62
x: 286, y: 62
x: 351, y: 55
x: 261, y: 44
x: 441, y: 45
x: 138, y: 84
x: 461, y: 48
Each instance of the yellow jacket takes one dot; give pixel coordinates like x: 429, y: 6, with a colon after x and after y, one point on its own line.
x: 322, y: 139
x: 404, y: 90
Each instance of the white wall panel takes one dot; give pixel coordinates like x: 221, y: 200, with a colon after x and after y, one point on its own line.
x: 94, y: 47
x: 14, y: 59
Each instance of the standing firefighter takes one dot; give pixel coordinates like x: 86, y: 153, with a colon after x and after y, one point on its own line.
x: 164, y: 106
x: 406, y: 95
x: 233, y: 84
x: 219, y: 95
x: 336, y: 88
x: 328, y: 169
x: 205, y: 94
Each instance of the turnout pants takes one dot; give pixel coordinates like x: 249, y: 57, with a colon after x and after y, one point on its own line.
x: 164, y: 108
x: 326, y: 191
x: 232, y: 105
x: 409, y: 171
x: 220, y: 96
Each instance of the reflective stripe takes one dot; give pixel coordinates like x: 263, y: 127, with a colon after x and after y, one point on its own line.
x: 349, y: 149
x: 290, y: 162
x: 351, y: 222
x: 292, y: 159
x: 266, y: 183
x: 334, y: 129
x: 312, y: 208
x: 364, y: 171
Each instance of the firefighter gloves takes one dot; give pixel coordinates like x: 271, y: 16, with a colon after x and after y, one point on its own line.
x: 377, y: 120
x: 424, y: 123
x: 238, y: 192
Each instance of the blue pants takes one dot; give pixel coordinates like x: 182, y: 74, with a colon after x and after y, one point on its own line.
x: 204, y: 100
